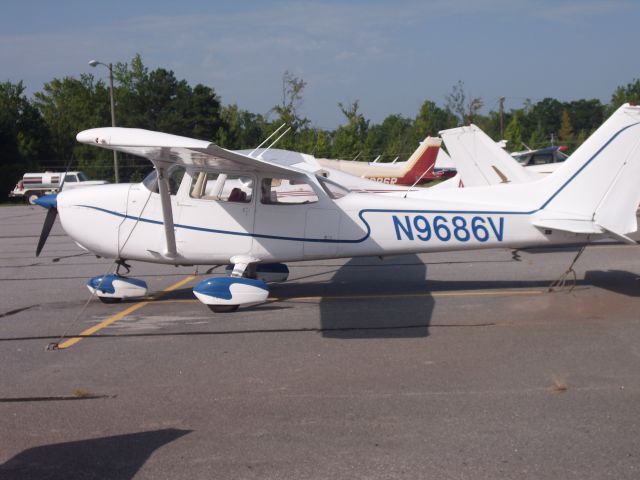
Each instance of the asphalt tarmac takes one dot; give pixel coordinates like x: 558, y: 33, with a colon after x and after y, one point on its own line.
x: 446, y: 366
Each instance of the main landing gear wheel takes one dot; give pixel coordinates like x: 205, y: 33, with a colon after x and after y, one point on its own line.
x: 109, y: 300
x: 223, y: 308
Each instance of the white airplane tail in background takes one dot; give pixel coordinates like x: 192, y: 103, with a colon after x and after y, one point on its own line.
x: 468, y: 145
x: 597, y: 189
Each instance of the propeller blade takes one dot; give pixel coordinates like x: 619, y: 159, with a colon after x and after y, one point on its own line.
x: 46, y: 228
x: 64, y: 178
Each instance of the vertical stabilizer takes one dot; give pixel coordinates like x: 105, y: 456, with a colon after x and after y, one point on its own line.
x: 421, y: 163
x: 600, y: 183
x: 480, y: 161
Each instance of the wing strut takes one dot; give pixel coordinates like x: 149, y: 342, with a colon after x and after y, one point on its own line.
x: 167, y: 212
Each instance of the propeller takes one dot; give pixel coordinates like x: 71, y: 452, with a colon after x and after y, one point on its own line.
x: 50, y: 202
x: 48, y: 223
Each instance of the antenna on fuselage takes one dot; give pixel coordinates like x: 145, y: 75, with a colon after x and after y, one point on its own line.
x: 274, y: 142
x: 416, y: 182
x: 267, y: 139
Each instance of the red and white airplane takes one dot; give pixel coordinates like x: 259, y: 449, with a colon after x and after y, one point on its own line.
x: 417, y: 169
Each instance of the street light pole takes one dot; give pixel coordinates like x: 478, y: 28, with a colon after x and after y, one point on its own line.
x: 95, y: 63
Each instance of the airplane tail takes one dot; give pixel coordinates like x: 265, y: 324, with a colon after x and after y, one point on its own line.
x: 480, y: 161
x: 597, y: 189
x: 420, y: 165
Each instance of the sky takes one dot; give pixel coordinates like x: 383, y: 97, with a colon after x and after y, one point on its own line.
x: 391, y: 56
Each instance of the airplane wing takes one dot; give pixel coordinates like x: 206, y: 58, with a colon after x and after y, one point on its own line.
x: 164, y: 150
x: 480, y: 161
x: 173, y: 149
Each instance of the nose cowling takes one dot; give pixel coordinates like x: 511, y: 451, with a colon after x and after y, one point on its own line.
x: 48, y: 201
x: 93, y: 216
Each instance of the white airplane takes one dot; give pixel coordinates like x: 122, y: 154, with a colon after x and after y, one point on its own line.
x: 479, y: 161
x: 593, y: 194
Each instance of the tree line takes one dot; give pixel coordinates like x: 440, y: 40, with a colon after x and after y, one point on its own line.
x: 39, y: 132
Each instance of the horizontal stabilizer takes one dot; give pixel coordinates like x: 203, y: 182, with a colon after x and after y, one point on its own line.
x: 621, y: 237
x: 584, y: 227
x: 569, y: 225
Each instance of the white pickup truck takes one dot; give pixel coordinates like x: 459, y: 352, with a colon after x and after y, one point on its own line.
x: 34, y: 185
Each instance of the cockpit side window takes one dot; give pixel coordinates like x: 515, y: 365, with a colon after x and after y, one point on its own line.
x: 221, y: 187
x: 282, y: 191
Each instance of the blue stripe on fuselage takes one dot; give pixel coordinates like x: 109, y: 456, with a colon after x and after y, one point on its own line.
x: 362, y: 212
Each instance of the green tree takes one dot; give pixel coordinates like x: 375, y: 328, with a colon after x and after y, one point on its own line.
x: 513, y: 132
x: 349, y: 139
x: 157, y: 100
x: 322, y: 148
x: 314, y: 141
x: 582, y: 136
x: 240, y: 128
x: 68, y: 106
x: 625, y: 93
x: 289, y: 110
x: 538, y: 138
x: 391, y: 138
x: 430, y: 120
x: 565, y: 134
x: 23, y: 135
x: 585, y: 114
x: 490, y: 124
x: 547, y: 113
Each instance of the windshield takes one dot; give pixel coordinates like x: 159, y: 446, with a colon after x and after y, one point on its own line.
x: 334, y: 190
x: 151, y: 181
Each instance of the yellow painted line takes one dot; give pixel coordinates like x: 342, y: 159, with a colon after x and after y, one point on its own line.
x: 118, y: 316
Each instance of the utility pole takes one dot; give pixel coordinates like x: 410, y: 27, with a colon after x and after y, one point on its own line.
x: 95, y: 63
x: 501, y: 110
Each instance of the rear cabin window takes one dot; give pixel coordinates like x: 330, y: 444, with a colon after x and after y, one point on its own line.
x: 282, y: 191
x: 221, y: 187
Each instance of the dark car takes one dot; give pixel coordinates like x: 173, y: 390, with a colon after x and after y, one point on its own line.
x: 541, y: 156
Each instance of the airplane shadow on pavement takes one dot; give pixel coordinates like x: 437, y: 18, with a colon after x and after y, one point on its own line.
x: 617, y: 281
x: 118, y: 457
x: 357, y: 304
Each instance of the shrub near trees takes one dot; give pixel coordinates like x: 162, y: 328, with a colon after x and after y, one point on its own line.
x: 39, y: 133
